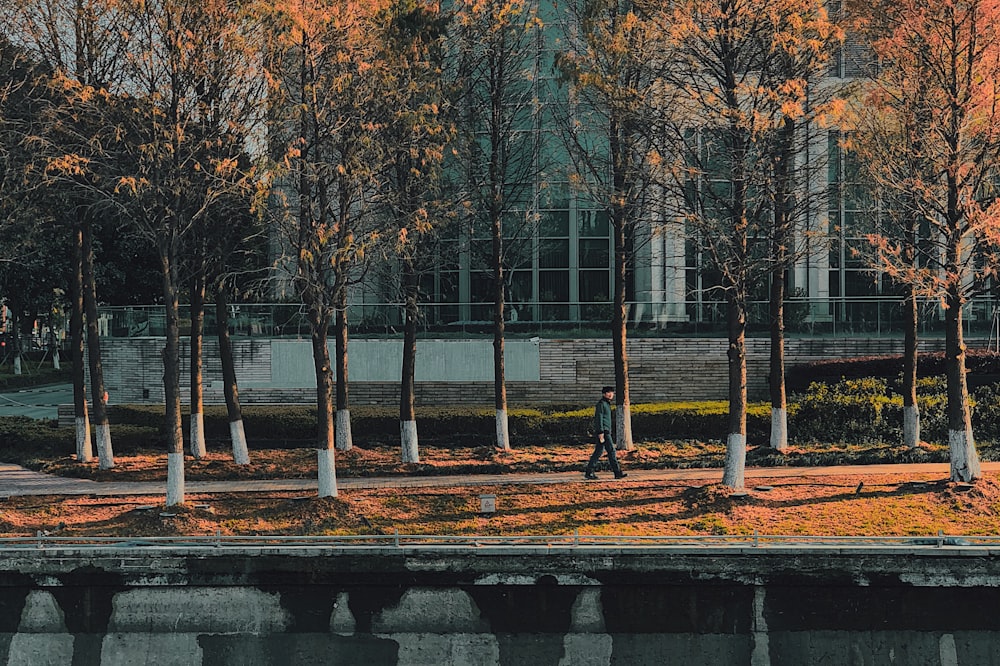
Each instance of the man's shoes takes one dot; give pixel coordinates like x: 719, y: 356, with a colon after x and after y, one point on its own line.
x: 589, y: 475
x: 621, y: 475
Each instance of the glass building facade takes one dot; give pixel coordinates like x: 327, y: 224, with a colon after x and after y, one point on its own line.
x: 560, y: 250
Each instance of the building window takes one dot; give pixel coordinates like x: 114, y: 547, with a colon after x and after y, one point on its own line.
x: 553, y: 293
x: 854, y: 285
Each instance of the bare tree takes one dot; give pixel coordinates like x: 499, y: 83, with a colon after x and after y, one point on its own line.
x: 725, y: 58
x: 804, y: 67
x: 415, y: 133
x: 614, y: 103
x: 234, y: 410
x: 936, y: 95
x: 196, y: 303
x: 324, y: 71
x: 185, y: 164
x: 230, y: 256
x: 81, y: 42
x: 498, y: 104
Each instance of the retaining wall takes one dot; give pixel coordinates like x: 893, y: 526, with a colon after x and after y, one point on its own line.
x: 487, y: 606
x: 451, y: 371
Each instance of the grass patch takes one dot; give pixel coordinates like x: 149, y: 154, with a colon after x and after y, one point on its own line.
x: 889, y: 505
x: 32, y: 374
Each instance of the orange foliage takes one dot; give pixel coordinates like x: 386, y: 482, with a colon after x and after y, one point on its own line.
x: 930, y: 124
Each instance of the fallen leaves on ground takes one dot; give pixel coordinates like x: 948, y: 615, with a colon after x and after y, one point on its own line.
x: 871, y: 505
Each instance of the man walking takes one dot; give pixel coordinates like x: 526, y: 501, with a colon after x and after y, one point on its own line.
x: 603, y: 441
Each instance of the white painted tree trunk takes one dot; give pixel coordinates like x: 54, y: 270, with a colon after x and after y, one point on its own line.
x: 105, y: 455
x: 55, y: 359
x: 84, y: 450
x: 342, y: 434
x: 17, y: 364
x: 623, y: 428
x: 327, y: 476
x: 408, y: 437
x: 779, y: 429
x: 735, y: 464
x: 503, y: 430
x: 198, y: 449
x: 964, y: 458
x: 175, y: 479
x: 911, y: 426
x: 241, y: 454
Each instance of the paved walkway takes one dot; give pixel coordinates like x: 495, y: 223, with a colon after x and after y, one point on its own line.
x: 38, y: 402
x: 15, y: 480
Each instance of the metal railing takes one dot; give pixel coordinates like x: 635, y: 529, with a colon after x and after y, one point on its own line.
x: 843, y: 317
x: 534, y: 543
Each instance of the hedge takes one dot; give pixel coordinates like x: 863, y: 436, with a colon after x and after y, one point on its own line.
x: 851, y: 411
x: 979, y: 363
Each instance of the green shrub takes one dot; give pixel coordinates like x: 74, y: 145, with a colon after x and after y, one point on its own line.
x: 37, y: 376
x: 870, y: 410
x: 295, y: 425
x: 129, y: 438
x: 979, y: 364
x: 24, y: 430
x: 150, y: 416
x: 800, y: 378
x: 851, y: 410
x: 23, y: 438
x: 986, y: 413
x: 271, y: 422
x: 932, y: 401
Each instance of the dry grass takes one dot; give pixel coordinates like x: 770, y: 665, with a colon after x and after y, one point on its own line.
x: 888, y: 505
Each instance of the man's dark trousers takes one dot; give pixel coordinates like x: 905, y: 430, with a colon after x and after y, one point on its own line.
x: 599, y: 447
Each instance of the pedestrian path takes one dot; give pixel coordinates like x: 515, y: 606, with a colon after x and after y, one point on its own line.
x: 18, y: 481
x: 38, y: 402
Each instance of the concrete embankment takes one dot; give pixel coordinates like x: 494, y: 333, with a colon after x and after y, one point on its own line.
x: 567, y: 605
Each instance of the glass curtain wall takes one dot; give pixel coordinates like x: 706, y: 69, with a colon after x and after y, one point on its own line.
x: 558, y: 254
x: 853, y: 215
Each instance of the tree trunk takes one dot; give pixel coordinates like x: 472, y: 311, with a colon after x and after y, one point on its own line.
x: 198, y: 449
x: 619, y: 337
x: 327, y: 472
x: 779, y: 255
x: 54, y: 345
x: 102, y: 427
x: 911, y: 412
x: 407, y: 413
x: 237, y: 435
x: 84, y: 449
x: 736, y: 442
x: 15, y: 342
x: 172, y: 383
x: 962, y: 447
x: 344, y: 436
x: 779, y: 400
x: 502, y: 440
x: 736, y: 314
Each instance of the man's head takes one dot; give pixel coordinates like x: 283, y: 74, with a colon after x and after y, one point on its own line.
x: 608, y: 392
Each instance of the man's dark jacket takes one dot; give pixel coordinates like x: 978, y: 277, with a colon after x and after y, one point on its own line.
x: 602, y: 417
